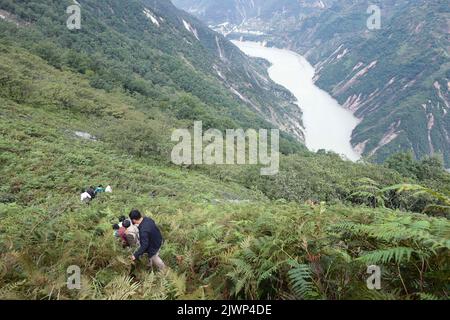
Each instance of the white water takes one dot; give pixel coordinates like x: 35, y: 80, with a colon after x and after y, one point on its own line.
x: 327, y: 124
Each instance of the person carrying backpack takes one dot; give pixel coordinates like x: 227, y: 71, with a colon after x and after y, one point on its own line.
x: 85, y: 197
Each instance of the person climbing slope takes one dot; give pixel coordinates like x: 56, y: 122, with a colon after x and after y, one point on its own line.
x: 85, y: 197
x: 91, y: 192
x: 116, y: 229
x: 120, y: 231
x: 150, y: 239
x: 99, y: 189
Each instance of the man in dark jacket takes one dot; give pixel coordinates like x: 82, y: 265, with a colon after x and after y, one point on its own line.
x: 91, y: 192
x: 150, y: 239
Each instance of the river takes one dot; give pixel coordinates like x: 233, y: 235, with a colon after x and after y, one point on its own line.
x: 327, y: 124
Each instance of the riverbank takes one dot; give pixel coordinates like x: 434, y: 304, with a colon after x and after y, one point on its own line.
x: 327, y: 124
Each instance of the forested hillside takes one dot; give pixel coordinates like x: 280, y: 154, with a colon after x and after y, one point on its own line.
x: 395, y: 79
x: 98, y: 106
x: 122, y: 47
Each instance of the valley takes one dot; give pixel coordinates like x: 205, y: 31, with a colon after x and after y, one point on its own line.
x: 327, y: 125
x: 393, y: 79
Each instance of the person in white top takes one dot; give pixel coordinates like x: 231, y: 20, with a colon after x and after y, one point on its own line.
x: 85, y: 197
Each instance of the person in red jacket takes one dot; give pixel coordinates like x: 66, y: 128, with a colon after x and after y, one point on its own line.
x: 120, y: 232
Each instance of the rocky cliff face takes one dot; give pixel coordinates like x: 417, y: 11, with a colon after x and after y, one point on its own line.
x: 395, y: 79
x: 238, y: 12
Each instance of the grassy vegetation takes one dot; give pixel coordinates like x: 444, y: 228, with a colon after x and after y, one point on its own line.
x: 126, y: 52
x: 225, y: 237
x: 229, y: 251
x: 308, y: 233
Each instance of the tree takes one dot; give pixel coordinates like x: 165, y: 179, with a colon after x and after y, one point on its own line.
x: 442, y: 205
x: 403, y: 163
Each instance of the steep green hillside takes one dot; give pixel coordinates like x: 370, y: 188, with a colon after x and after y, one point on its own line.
x: 219, y: 223
x: 121, y: 47
x: 395, y: 79
x: 308, y: 233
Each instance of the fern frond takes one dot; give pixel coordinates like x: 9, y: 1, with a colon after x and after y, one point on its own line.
x: 421, y: 190
x: 427, y: 296
x: 121, y: 288
x: 362, y: 194
x: 178, y: 283
x: 397, y: 255
x: 380, y: 295
x: 301, y: 280
x: 6, y: 290
x: 242, y: 274
x: 367, y: 181
x: 436, y: 208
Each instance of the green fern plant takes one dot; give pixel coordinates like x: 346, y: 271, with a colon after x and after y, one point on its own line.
x: 383, y: 256
x: 428, y: 296
x: 9, y: 291
x: 369, y: 192
x: 121, y: 288
x: 302, y: 284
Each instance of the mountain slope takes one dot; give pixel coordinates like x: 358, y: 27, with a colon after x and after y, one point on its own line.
x: 395, y: 79
x: 152, y: 42
x: 69, y: 120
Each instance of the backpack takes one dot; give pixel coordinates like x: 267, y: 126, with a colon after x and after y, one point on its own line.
x: 133, y: 236
x: 132, y: 239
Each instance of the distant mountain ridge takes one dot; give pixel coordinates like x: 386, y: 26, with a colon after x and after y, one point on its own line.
x: 242, y: 11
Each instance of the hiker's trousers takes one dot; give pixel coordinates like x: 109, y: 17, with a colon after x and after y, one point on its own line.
x: 157, y: 261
